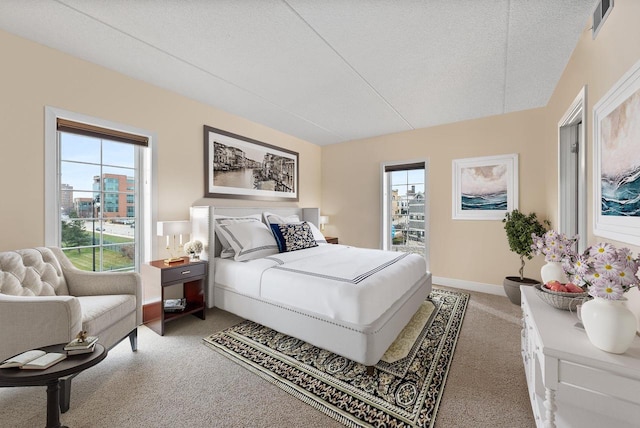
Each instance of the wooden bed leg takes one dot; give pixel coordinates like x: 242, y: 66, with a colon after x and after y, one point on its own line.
x: 369, y: 370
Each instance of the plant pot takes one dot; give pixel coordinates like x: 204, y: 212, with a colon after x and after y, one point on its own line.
x: 512, y: 285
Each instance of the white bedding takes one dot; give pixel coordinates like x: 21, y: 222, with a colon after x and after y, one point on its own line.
x: 344, y: 283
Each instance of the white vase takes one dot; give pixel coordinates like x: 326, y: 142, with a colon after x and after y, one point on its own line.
x: 551, y: 271
x: 610, y: 326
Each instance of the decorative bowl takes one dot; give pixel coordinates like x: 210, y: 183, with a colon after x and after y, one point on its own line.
x: 560, y: 300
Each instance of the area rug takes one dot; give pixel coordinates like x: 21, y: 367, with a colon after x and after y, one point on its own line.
x: 404, y: 390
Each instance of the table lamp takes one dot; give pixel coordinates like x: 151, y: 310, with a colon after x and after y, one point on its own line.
x: 323, y: 220
x: 173, y: 231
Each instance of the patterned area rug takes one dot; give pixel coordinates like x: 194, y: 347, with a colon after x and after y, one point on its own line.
x: 404, y: 391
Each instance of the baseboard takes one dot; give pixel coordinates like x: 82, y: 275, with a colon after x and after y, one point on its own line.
x: 469, y: 285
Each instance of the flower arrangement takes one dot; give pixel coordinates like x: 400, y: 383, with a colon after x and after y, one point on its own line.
x: 555, y: 246
x: 606, y: 271
x: 193, y: 247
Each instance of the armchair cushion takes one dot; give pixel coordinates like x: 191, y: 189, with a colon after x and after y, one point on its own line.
x: 101, y: 312
x: 31, y: 272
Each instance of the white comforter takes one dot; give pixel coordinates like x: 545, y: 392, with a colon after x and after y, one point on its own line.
x: 344, y: 283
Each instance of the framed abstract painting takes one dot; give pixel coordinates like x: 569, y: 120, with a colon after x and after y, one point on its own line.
x: 240, y: 167
x: 616, y: 160
x: 485, y: 188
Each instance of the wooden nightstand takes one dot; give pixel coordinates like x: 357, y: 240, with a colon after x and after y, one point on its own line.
x: 157, y: 275
x: 331, y: 239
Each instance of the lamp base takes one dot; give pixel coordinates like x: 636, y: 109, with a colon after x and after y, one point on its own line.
x: 173, y: 260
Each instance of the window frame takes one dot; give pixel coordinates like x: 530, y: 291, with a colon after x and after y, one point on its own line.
x: 146, y: 196
x: 385, y: 186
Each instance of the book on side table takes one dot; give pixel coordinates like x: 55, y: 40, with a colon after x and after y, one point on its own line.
x: 33, y: 360
x: 78, y: 346
x: 82, y: 350
x: 175, y: 305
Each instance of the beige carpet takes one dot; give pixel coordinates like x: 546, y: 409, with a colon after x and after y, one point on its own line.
x: 175, y: 380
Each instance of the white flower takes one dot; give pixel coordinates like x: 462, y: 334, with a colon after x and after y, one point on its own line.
x: 193, y: 247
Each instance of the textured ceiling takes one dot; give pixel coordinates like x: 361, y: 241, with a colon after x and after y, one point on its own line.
x: 326, y: 71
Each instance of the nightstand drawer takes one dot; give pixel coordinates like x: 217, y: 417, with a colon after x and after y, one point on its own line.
x: 182, y: 273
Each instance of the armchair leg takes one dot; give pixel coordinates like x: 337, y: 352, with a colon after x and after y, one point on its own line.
x: 65, y: 394
x: 133, y: 338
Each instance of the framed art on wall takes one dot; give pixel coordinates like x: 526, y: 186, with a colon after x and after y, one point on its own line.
x: 616, y: 160
x: 485, y: 188
x: 240, y: 167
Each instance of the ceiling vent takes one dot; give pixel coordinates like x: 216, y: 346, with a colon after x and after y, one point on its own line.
x: 603, y: 9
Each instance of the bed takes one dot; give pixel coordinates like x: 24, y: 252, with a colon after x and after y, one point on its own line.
x: 351, y: 301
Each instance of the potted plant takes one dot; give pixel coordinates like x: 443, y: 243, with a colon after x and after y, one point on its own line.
x: 520, y: 228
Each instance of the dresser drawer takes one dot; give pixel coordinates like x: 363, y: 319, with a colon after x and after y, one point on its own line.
x: 182, y: 273
x: 600, y: 382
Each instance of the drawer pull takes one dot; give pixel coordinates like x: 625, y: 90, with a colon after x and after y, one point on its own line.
x: 186, y: 272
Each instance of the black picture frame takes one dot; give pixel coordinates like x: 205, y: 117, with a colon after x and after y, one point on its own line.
x: 238, y: 167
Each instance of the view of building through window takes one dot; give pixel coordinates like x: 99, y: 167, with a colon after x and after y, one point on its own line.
x: 406, y: 206
x: 98, y: 202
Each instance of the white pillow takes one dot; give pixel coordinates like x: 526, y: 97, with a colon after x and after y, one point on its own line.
x: 319, y: 237
x: 270, y: 218
x: 227, y: 250
x: 249, y: 240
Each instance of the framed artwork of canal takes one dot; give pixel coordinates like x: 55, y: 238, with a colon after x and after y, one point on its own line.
x: 242, y: 168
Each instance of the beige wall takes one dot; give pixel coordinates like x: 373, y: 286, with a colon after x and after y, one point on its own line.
x: 461, y: 249
x: 598, y: 64
x: 345, y: 178
x: 34, y: 76
x: 477, y: 250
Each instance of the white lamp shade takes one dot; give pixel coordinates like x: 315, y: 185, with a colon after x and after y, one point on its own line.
x: 324, y: 219
x: 168, y: 228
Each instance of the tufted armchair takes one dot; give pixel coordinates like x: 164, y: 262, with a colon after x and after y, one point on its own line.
x: 45, y: 300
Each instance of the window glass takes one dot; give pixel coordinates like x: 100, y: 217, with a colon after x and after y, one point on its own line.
x: 97, y: 202
x: 404, y: 209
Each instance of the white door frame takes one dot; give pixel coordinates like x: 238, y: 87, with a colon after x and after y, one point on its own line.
x: 577, y: 113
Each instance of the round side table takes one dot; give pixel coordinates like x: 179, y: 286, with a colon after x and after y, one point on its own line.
x: 51, y: 377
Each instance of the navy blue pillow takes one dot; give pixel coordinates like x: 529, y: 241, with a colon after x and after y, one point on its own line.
x: 293, y: 236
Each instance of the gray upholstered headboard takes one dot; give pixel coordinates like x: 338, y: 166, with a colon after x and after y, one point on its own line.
x: 202, y: 218
x: 202, y: 228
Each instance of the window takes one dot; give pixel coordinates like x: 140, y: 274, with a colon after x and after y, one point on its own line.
x: 405, y: 202
x: 100, y: 189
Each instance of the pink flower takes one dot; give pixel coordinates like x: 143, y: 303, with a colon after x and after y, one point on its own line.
x: 626, y: 276
x: 603, y: 269
x: 609, y: 267
x: 555, y: 246
x: 607, y: 289
x: 603, y: 249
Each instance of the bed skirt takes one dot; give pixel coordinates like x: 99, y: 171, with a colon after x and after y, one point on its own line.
x: 365, y: 344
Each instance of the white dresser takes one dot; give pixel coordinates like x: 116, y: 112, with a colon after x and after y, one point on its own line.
x: 571, y: 382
